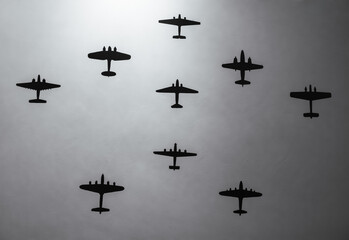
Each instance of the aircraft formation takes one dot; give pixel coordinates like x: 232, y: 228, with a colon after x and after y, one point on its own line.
x: 176, y: 88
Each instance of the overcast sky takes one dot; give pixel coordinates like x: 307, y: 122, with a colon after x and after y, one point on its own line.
x: 94, y: 124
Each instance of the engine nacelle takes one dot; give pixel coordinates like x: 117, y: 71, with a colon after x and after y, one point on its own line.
x: 104, y: 49
x: 109, y: 48
x: 44, y: 80
x: 89, y: 183
x: 164, y: 149
x: 181, y: 84
x: 108, y: 183
x: 114, y: 49
x: 33, y: 80
x: 249, y: 60
x: 96, y: 182
x: 235, y: 60
x: 113, y: 183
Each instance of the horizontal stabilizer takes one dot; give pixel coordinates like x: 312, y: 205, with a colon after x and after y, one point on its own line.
x: 176, y: 106
x: 242, y: 82
x: 174, y: 167
x: 240, y: 212
x: 108, y: 73
x: 311, y: 115
x: 37, y: 101
x: 179, y: 37
x: 100, y: 210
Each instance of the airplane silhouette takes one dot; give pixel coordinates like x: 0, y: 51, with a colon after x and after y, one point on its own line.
x: 242, y: 66
x: 241, y: 194
x: 109, y: 56
x: 176, y: 89
x: 310, y: 96
x: 38, y: 86
x: 179, y: 22
x: 175, y: 154
x: 101, y: 189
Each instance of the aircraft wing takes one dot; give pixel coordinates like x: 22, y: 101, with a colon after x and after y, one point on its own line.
x: 242, y: 66
x: 38, y: 85
x: 175, y: 154
x: 101, y: 55
x: 185, y: 154
x: 101, y: 189
x: 179, y: 22
x: 310, y: 95
x: 235, y: 66
x: 113, y: 55
x: 186, y: 90
x: 167, y: 153
x: 252, y: 66
x: 167, y: 90
x: 119, y: 56
x: 240, y: 193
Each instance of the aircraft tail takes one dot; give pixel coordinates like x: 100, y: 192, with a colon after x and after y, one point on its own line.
x: 37, y: 101
x: 242, y: 82
x: 179, y: 37
x: 100, y: 210
x: 176, y: 106
x: 108, y: 73
x: 174, y: 167
x: 240, y: 212
x: 311, y: 115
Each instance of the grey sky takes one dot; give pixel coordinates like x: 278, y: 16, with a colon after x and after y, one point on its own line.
x: 94, y: 125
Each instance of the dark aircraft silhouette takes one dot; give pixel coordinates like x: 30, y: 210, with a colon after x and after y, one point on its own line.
x: 240, y: 193
x: 38, y: 86
x: 109, y: 56
x: 175, y: 154
x: 242, y: 66
x: 310, y: 96
x: 101, y: 189
x: 176, y: 90
x: 179, y: 22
